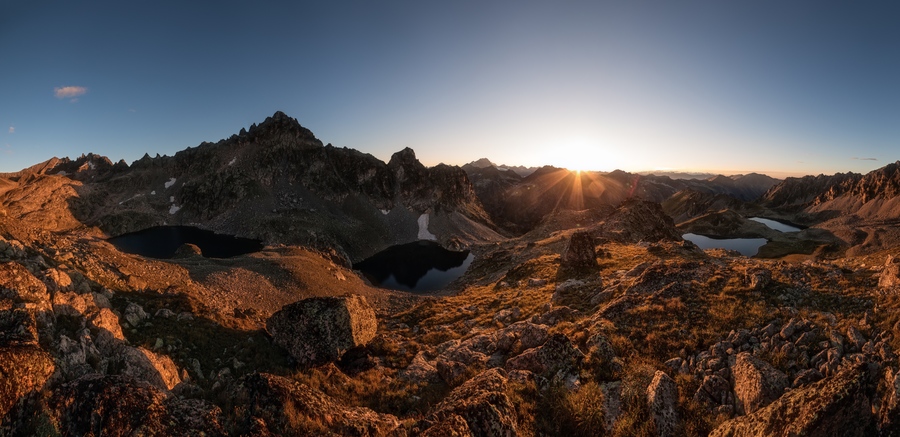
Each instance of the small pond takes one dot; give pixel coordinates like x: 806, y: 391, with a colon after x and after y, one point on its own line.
x: 163, y: 241
x: 776, y: 225
x: 746, y: 246
x: 422, y: 266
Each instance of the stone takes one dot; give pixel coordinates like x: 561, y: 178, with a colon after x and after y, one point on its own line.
x: 18, y: 284
x: 419, y: 370
x: 187, y: 250
x: 520, y: 336
x: 662, y: 400
x: 482, y: 403
x: 890, y: 274
x: 508, y: 315
x: 756, y: 383
x: 319, y: 330
x: 57, y: 280
x: 134, y: 314
x: 759, y: 278
x: 580, y: 256
x: 714, y: 391
x: 557, y: 354
x: 145, y: 365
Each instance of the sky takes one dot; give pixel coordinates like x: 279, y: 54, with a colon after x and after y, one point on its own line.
x: 781, y: 87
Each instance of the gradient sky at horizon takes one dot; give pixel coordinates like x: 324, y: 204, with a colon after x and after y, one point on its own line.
x: 786, y: 88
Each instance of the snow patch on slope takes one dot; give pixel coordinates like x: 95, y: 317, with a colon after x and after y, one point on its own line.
x: 423, y: 229
x: 170, y: 183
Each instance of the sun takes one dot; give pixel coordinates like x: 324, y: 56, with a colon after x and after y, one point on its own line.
x: 577, y: 154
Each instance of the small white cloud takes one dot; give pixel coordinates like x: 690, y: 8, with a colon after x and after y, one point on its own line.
x: 66, y: 92
x: 12, y: 129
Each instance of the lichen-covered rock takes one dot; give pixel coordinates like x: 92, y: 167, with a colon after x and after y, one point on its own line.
x: 118, y: 405
x: 580, y: 255
x: 18, y: 284
x: 714, y: 391
x: 520, y: 336
x: 287, y: 407
x: 419, y: 370
x: 134, y: 314
x: 756, y: 383
x: 482, y: 403
x: 319, y: 330
x: 890, y: 274
x: 836, y: 406
x: 23, y: 369
x: 57, y: 280
x: 555, y: 355
x: 662, y: 400
x: 759, y: 278
x: 144, y: 365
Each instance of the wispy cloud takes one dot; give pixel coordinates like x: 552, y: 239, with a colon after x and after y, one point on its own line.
x: 66, y: 92
x: 865, y: 159
x: 12, y: 129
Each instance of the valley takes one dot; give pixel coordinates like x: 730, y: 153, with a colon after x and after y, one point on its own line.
x: 242, y: 288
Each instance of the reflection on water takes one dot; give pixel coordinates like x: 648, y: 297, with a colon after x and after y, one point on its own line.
x: 778, y: 226
x: 163, y: 241
x: 746, y: 246
x: 420, y: 266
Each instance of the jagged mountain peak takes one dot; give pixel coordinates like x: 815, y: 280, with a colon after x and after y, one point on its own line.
x: 403, y: 158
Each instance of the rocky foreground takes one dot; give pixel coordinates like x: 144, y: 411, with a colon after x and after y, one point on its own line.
x: 599, y: 323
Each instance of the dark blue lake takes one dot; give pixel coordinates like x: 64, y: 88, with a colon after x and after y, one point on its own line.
x: 163, y: 241
x: 421, y: 266
x: 746, y: 246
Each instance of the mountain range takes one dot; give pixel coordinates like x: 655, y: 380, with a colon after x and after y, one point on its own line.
x: 583, y: 311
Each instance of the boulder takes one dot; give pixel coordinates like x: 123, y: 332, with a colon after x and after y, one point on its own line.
x: 890, y: 274
x: 481, y: 403
x: 144, y: 365
x: 836, y: 406
x: 319, y: 330
x: 187, y: 250
x: 756, y: 383
x: 555, y: 355
x: 662, y: 400
x: 580, y: 255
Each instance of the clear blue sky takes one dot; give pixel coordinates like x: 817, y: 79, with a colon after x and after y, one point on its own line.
x: 801, y: 87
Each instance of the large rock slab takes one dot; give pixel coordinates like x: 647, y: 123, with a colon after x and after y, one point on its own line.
x: 837, y: 406
x: 662, y: 400
x: 580, y: 255
x: 319, y: 330
x: 756, y: 383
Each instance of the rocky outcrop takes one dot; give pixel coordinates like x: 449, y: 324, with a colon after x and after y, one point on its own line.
x: 117, y: 405
x: 840, y: 405
x: 479, y: 407
x: 269, y: 405
x: 319, y: 330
